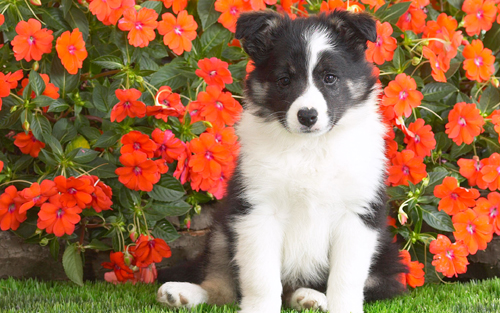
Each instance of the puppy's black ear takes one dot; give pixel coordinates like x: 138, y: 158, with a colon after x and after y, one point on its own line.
x: 254, y: 30
x: 359, y: 27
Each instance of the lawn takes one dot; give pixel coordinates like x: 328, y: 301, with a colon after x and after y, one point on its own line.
x: 35, y: 296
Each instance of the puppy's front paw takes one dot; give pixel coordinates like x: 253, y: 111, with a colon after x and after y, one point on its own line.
x: 305, y: 298
x: 177, y: 295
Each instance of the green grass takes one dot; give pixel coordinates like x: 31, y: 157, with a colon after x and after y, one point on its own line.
x: 34, y: 296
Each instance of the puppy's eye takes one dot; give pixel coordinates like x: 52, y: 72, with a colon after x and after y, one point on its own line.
x: 330, y: 79
x: 284, y: 81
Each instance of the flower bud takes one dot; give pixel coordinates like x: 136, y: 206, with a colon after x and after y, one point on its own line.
x: 36, y: 66
x: 187, y: 222
x: 139, y: 79
x: 415, y: 61
x: 36, y: 2
x: 26, y: 126
x: 44, y: 242
x: 137, y: 7
x: 402, y: 217
x: 128, y: 258
x: 495, y: 82
x: 197, y: 209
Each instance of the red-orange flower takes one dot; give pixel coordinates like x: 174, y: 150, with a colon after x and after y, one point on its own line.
x: 423, y: 140
x: 480, y: 15
x: 490, y: 207
x: 101, y: 197
x: 215, y: 186
x: 57, y: 219
x: 71, y: 50
x: 490, y: 171
x: 128, y: 105
x: 209, y: 156
x: 471, y: 169
x: 150, y: 250
x: 2, y: 19
x: 449, y: 259
x: 478, y: 64
x: 102, y: 9
x: 473, y: 229
x: 10, y: 216
x: 413, y: 19
x: 37, y: 194
x: 137, y: 141
x: 443, y: 29
x: 383, y: 48
x: 50, y: 91
x: 406, y: 167
x: 454, y: 199
x: 439, y: 64
x: 117, y: 264
x: 178, y: 32
x: 374, y: 3
x: 7, y: 82
x: 218, y: 107
x: 177, y: 5
x: 331, y: 5
x: 31, y: 41
x: 464, y: 123
x: 416, y: 276
x: 75, y: 191
x: 402, y: 94
x: 167, y: 146
x: 138, y: 172
x: 226, y: 136
x: 28, y: 144
x: 1, y: 166
x: 141, y: 26
x: 168, y: 103
x: 231, y: 10
x: 115, y: 14
x: 214, y: 72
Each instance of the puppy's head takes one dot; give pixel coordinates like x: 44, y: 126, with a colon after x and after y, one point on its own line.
x: 309, y: 71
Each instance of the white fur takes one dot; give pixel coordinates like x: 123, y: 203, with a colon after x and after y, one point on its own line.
x: 305, y: 298
x: 172, y: 293
x: 312, y: 97
x: 306, y: 192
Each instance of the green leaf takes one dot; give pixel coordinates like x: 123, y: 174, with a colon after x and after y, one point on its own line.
x: 77, y: 19
x: 213, y: 36
x: 72, y: 263
x: 168, y: 189
x: 437, y: 91
x: 100, y: 97
x: 66, y: 6
x: 491, y: 39
x: 456, y: 3
x: 110, y: 61
x: 165, y: 230
x: 392, y: 13
x: 57, y: 106
x: 54, y: 144
x: 62, y: 79
x: 457, y: 151
x: 435, y: 178
x: 489, y: 99
x: 36, y: 82
x: 233, y: 53
x: 437, y: 219
x: 399, y: 58
x: 8, y: 119
x: 85, y: 155
x: 176, y: 208
x: 107, y: 139
x: 207, y: 13
x: 98, y: 245
x: 54, y: 248
x: 155, y: 5
x: 40, y: 126
x: 170, y: 75
x: 47, y: 158
x: 42, y: 101
x: 198, y: 128
x: 54, y: 18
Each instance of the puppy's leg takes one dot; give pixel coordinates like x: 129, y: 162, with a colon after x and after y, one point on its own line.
x: 177, y: 295
x: 258, y: 257
x: 353, y: 246
x: 306, y: 298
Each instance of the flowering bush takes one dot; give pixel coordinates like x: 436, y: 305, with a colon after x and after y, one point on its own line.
x: 117, y: 114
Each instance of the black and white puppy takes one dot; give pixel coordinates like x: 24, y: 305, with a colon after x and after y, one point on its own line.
x: 305, y: 217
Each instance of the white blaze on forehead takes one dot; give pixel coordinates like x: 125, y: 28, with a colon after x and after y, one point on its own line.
x: 317, y: 41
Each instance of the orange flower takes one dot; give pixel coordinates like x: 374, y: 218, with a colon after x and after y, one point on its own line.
x: 383, y: 48
x: 101, y: 197
x: 490, y: 171
x: 182, y: 172
x: 226, y: 136
x: 102, y: 9
x: 480, y: 15
x: 31, y: 41
x: 478, y: 64
x: 10, y: 216
x: 167, y: 146
x: 490, y: 208
x: 402, y: 94
x: 50, y: 91
x: 406, y: 167
x: 128, y: 105
x: 454, y: 199
x: 28, y: 144
x: 1, y: 166
x: 218, y: 107
x: 137, y: 141
x: 57, y: 219
x: 471, y: 169
x: 168, y: 103
x: 331, y: 5
x: 413, y: 19
x: 416, y: 276
x: 214, y: 72
x: 439, y: 64
x: 374, y: 3
x: 178, y: 32
x: 138, y: 172
x: 7, y: 82
x: 231, y: 10
x: 423, y: 140
x: 215, y: 186
x: 117, y: 264
x: 444, y: 29
x: 464, y: 123
x: 2, y: 19
x: 115, y: 14
x: 473, y: 229
x: 150, y: 250
x: 71, y: 50
x: 37, y: 194
x: 449, y: 259
x: 209, y: 156
x: 177, y: 5
x: 141, y: 25
x: 75, y: 191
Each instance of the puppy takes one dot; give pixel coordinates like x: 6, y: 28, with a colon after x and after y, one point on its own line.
x: 304, y: 221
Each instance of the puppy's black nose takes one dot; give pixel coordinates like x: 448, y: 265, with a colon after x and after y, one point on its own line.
x: 307, y: 117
